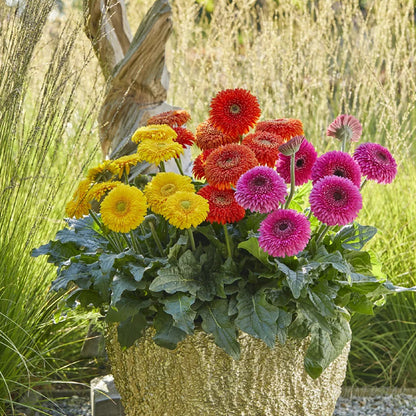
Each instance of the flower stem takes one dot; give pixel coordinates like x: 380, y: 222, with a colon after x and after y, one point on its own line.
x: 105, y: 231
x: 162, y: 166
x: 149, y: 249
x: 179, y: 165
x: 292, y: 180
x: 227, y: 240
x: 135, y: 243
x: 156, y: 237
x: 322, y: 234
x: 362, y: 185
x: 191, y: 239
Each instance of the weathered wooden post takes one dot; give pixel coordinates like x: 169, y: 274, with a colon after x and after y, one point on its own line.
x: 134, y: 68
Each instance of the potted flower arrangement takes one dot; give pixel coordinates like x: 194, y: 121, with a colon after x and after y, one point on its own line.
x: 230, y: 290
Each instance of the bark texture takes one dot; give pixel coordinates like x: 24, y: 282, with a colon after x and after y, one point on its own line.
x: 198, y: 378
x: 134, y: 68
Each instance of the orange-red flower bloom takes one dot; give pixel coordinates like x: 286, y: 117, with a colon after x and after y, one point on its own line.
x: 284, y: 127
x: 223, y: 207
x: 234, y: 112
x: 265, y: 146
x: 173, y: 118
x: 208, y: 137
x: 198, y: 168
x: 225, y: 165
x: 185, y: 137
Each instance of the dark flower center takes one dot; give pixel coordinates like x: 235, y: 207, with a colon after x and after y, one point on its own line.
x: 283, y: 226
x: 259, y: 181
x: 228, y: 161
x: 120, y: 206
x: 339, y: 172
x: 222, y: 200
x: 338, y: 195
x: 235, y: 109
x: 300, y: 163
x: 381, y: 157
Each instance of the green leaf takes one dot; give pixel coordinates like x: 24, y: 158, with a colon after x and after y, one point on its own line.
x: 361, y: 304
x: 257, y: 317
x: 296, y: 280
x: 78, y: 273
x: 167, y: 335
x: 354, y: 236
x: 85, y: 298
x: 283, y: 322
x: 179, y: 307
x: 325, y: 347
x: 121, y: 284
x: 131, y: 329
x: 57, y: 252
x: 313, y: 315
x: 126, y: 307
x: 322, y: 302
x: 215, y: 320
x: 252, y: 246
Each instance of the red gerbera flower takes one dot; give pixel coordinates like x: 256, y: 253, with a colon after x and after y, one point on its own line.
x: 225, y: 165
x: 173, y: 118
x: 284, y: 127
x: 223, y: 207
x: 185, y: 136
x: 234, y: 112
x: 265, y: 146
x: 208, y: 137
x: 198, y: 168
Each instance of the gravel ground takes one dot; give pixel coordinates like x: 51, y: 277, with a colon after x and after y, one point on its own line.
x: 390, y: 405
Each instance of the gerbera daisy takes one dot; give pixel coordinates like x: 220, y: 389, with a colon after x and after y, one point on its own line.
x: 284, y: 232
x: 157, y: 132
x: 291, y: 146
x: 283, y: 127
x: 173, y: 118
x: 261, y: 189
x: 345, y: 127
x: 305, y: 158
x: 79, y: 205
x: 198, y: 168
x: 162, y: 186
x: 124, y: 163
x: 335, y: 200
x: 208, y: 137
x: 158, y: 151
x: 234, y: 112
x: 184, y: 136
x: 186, y: 209
x: 104, y: 170
x: 376, y: 162
x: 225, y: 165
x: 223, y: 207
x: 123, y: 209
x: 339, y: 164
x: 98, y: 190
x: 265, y: 146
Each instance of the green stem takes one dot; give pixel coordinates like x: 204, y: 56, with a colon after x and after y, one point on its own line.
x: 362, y: 185
x: 162, y: 167
x: 129, y: 243
x: 292, y: 180
x: 191, y: 239
x: 136, y: 245
x: 107, y: 235
x: 145, y: 241
x: 227, y: 240
x: 156, y: 238
x: 322, y: 234
x: 179, y: 165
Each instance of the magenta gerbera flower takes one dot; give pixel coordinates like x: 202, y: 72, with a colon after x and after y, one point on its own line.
x: 339, y: 164
x: 260, y: 189
x: 345, y: 127
x: 335, y: 200
x: 305, y: 158
x: 284, y: 232
x: 376, y: 162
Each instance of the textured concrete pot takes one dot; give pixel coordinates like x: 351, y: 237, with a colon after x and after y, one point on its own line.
x: 200, y: 379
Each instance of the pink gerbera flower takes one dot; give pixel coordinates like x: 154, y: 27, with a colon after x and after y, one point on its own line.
x: 305, y: 158
x: 260, y: 189
x: 376, y: 162
x: 339, y: 164
x: 345, y: 127
x: 335, y: 200
x: 284, y: 232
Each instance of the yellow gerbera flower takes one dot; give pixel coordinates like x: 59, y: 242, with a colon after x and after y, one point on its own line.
x: 79, y: 205
x: 162, y: 186
x: 102, y: 169
x: 123, y: 164
x: 186, y: 209
x: 123, y: 209
x: 157, y: 151
x: 154, y: 132
x: 98, y: 190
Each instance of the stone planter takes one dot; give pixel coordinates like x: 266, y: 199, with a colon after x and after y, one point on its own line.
x: 200, y: 379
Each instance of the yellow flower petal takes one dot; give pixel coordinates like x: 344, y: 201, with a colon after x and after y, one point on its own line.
x: 158, y: 151
x: 155, y: 132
